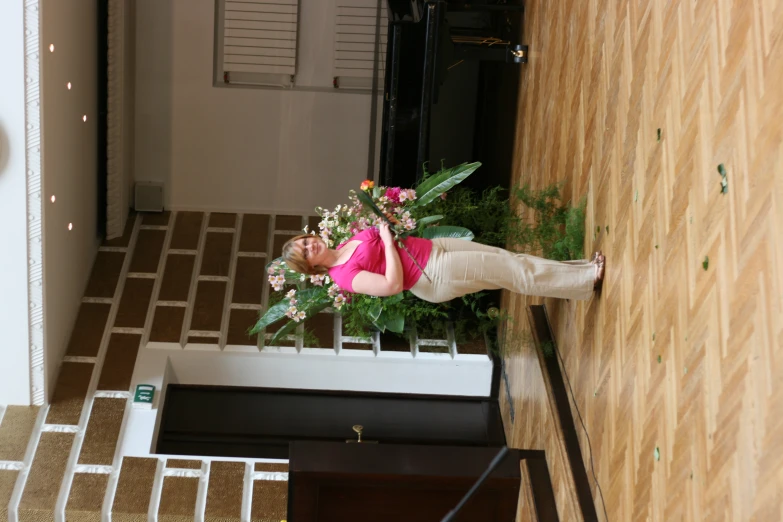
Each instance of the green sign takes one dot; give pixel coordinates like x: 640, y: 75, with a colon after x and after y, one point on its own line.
x: 144, y: 394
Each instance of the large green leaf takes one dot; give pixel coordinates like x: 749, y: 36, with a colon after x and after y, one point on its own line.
x: 291, y: 325
x: 447, y: 231
x: 306, y: 299
x: 442, y: 182
x: 392, y: 322
x: 427, y: 220
x: 274, y: 314
x: 392, y: 299
x: 374, y: 309
x: 367, y: 201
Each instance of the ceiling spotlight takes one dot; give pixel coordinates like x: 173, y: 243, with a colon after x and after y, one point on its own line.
x: 51, y: 48
x: 70, y: 226
x: 84, y: 118
x: 53, y: 198
x: 69, y: 86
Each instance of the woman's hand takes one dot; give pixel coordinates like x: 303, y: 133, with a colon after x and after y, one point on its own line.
x: 386, y: 234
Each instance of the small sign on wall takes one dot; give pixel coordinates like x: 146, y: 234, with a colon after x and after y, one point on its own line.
x: 143, y: 397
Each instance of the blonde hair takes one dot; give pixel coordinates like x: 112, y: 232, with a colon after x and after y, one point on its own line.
x: 295, y: 260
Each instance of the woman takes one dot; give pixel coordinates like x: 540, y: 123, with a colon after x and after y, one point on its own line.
x: 370, y: 263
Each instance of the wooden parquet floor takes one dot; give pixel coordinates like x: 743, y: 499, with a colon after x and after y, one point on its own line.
x: 634, y: 105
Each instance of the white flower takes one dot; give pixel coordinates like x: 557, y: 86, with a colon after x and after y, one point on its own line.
x: 302, y: 277
x: 291, y: 312
x: 300, y: 316
x: 339, y: 301
x: 333, y: 291
x: 317, y: 279
x: 291, y: 294
x: 306, y: 229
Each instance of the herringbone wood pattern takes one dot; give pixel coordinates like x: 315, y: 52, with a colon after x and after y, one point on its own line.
x: 603, y: 77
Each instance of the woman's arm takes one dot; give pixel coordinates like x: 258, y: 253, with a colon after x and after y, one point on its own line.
x: 389, y: 283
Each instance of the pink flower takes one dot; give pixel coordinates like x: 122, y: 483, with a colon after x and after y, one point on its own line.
x: 407, y: 195
x: 393, y: 194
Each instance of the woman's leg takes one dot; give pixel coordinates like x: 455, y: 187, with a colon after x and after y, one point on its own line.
x: 458, y: 267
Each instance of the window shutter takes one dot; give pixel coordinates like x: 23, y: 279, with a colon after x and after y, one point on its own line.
x: 355, y: 43
x: 257, y: 41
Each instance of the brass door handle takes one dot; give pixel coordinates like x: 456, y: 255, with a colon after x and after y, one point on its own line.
x: 358, y: 428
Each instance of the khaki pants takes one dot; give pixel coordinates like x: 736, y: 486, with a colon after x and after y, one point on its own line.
x: 458, y: 267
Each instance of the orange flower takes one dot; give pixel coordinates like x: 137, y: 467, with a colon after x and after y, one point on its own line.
x: 367, y: 185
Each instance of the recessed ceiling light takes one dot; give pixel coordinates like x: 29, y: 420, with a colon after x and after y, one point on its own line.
x: 51, y: 48
x: 84, y: 118
x: 70, y: 226
x: 53, y: 198
x: 69, y: 86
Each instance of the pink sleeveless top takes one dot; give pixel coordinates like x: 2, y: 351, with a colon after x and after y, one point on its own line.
x: 370, y: 256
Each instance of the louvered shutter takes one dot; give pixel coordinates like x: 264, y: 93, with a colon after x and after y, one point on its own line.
x: 257, y: 41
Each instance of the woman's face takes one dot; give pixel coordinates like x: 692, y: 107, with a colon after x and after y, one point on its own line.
x: 313, y: 249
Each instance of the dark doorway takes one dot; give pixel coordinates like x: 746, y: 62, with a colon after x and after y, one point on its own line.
x: 261, y: 422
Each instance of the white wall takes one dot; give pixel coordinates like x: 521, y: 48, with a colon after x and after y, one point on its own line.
x: 230, y: 148
x: 14, y: 351
x: 69, y: 165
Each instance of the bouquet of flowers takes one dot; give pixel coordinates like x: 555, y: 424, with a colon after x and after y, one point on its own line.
x: 403, y: 210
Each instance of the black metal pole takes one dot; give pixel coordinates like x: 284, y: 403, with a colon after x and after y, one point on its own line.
x: 492, y: 465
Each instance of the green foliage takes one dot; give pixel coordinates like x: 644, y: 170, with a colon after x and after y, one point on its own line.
x: 556, y: 230
x: 488, y: 214
x: 311, y: 308
x: 433, y: 186
x: 397, y: 311
x: 368, y: 202
x: 447, y: 232
x: 274, y: 314
x: 309, y: 339
x: 545, y: 226
x: 429, y: 219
